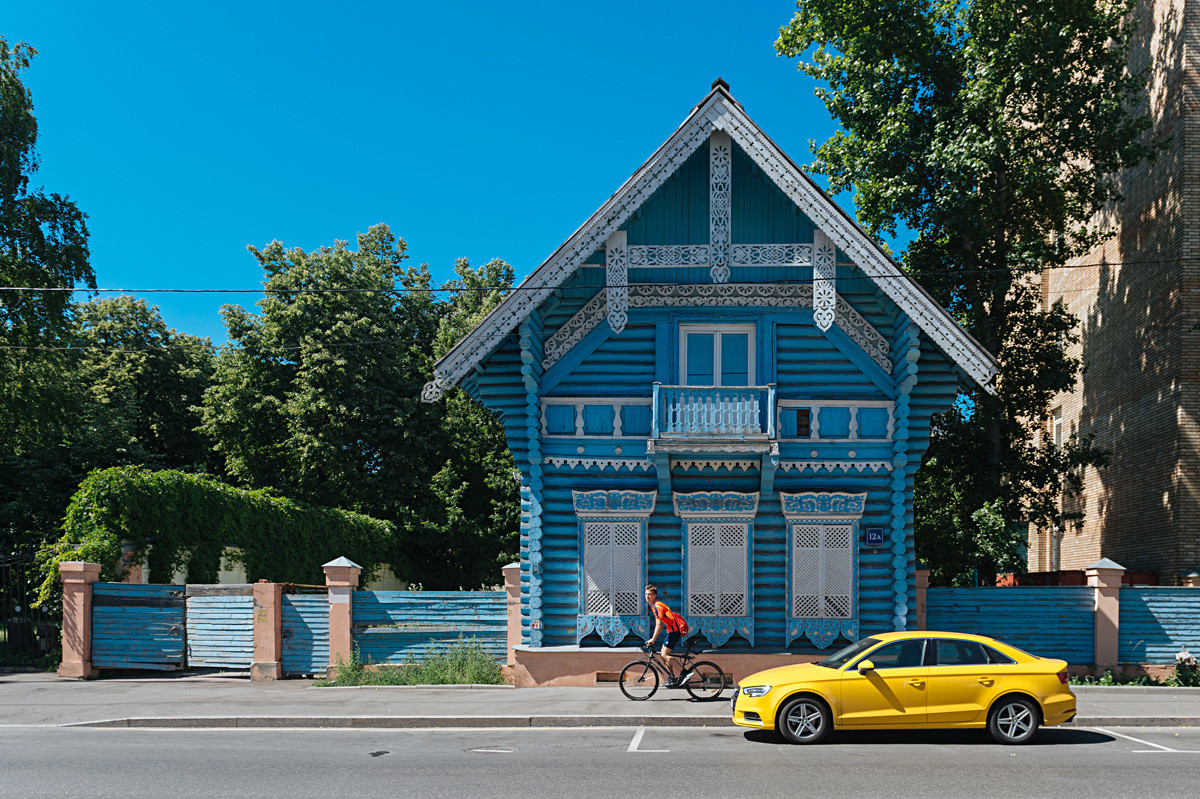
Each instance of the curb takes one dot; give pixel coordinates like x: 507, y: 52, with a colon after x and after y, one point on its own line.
x: 445, y: 722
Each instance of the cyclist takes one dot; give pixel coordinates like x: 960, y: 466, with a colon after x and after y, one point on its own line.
x: 664, y: 618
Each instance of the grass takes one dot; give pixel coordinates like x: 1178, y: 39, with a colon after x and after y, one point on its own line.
x: 463, y: 662
x: 1184, y: 676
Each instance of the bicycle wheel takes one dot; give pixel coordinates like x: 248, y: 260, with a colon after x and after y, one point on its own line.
x: 707, y: 681
x: 639, y: 680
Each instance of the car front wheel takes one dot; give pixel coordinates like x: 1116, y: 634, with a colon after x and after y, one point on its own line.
x: 804, y: 720
x: 1014, y: 720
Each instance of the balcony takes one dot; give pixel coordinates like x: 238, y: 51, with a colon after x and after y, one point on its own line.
x: 687, y: 415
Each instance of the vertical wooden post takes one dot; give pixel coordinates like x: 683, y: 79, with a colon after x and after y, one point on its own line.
x: 77, y: 578
x: 268, y: 631
x: 512, y: 587
x: 1104, y: 576
x: 922, y: 596
x: 341, y: 577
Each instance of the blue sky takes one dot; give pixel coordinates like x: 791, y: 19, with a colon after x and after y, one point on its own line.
x: 477, y: 130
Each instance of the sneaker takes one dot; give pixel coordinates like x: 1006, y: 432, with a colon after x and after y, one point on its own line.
x: 674, y: 682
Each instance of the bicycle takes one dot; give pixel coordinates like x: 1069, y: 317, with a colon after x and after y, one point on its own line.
x: 703, y: 679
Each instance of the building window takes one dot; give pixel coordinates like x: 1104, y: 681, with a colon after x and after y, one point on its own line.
x: 822, y: 571
x: 717, y: 568
x: 716, y: 355
x: 612, y: 568
x: 1056, y: 428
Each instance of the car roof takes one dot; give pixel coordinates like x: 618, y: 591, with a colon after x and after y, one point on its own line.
x: 909, y: 634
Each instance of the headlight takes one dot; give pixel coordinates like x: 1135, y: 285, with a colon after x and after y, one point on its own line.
x: 756, y: 690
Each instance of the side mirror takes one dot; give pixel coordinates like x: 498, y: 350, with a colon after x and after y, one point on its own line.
x: 865, y: 666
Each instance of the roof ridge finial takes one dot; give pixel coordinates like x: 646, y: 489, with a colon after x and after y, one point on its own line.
x: 720, y: 83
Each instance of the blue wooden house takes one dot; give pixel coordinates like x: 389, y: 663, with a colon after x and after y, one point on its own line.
x: 721, y: 385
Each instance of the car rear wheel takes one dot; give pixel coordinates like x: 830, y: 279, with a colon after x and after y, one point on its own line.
x: 1013, y: 720
x: 804, y: 720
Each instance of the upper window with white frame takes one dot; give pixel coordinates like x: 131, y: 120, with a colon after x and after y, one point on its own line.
x: 716, y: 355
x: 1056, y: 428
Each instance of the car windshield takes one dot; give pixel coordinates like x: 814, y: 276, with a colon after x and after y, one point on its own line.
x: 844, y: 656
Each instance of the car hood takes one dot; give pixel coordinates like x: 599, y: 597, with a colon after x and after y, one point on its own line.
x: 785, y: 675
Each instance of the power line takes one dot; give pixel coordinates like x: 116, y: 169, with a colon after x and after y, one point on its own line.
x: 489, y: 289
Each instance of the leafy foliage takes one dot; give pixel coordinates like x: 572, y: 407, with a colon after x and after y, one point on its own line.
x: 995, y: 132
x: 464, y: 662
x: 186, y: 520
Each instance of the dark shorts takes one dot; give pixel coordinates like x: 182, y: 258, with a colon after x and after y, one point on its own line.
x: 672, y: 640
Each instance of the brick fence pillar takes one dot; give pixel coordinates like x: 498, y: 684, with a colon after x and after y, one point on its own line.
x: 922, y: 593
x: 268, y: 631
x: 77, y: 578
x: 341, y: 576
x: 1104, y: 576
x: 512, y: 587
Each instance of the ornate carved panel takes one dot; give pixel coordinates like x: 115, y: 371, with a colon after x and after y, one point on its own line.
x: 725, y: 504
x: 823, y: 504
x: 720, y: 154
x: 617, y: 275
x: 824, y: 280
x: 606, y: 503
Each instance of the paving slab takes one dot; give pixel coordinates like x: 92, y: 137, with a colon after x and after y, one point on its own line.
x: 45, y: 699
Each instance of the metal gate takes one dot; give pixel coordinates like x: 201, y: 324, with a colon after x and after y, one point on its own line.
x: 138, y: 626
x: 27, y: 634
x: 220, y: 626
x: 305, y: 633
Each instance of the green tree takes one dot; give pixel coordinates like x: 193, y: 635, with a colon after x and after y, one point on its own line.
x: 320, y: 398
x: 43, y: 244
x: 995, y: 132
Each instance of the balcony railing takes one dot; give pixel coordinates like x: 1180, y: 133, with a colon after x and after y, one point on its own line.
x: 732, y: 412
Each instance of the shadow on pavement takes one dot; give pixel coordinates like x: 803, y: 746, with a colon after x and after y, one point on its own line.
x: 1051, y: 736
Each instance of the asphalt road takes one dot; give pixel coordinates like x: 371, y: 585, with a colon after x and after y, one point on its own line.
x: 581, y: 763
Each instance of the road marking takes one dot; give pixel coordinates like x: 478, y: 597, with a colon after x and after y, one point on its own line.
x: 637, y: 739
x: 1159, y: 747
x: 502, y: 750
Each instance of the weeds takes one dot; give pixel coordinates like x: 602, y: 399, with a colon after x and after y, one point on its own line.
x: 463, y: 662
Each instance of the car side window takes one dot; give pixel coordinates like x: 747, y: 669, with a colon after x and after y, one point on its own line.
x: 998, y: 657
x: 898, y: 654
x: 952, y: 652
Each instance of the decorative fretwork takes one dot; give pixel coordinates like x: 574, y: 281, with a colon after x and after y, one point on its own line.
x: 601, y: 464
x: 718, y: 112
x: 714, y: 465
x: 616, y: 271
x: 622, y: 503
x: 822, y: 564
x: 824, y: 281
x: 716, y: 504
x: 835, y: 466
x: 648, y: 255
x: 718, y: 532
x: 739, y: 295
x: 612, y: 570
x: 720, y: 154
x: 772, y: 254
x: 611, y: 629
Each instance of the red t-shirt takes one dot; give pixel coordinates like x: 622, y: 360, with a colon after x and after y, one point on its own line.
x: 669, y: 618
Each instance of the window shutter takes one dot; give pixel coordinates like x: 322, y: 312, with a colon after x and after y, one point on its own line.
x: 837, y: 571
x: 597, y: 568
x: 702, y: 569
x: 626, y: 567
x: 806, y: 571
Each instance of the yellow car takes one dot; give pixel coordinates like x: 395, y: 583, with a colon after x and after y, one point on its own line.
x: 910, y: 680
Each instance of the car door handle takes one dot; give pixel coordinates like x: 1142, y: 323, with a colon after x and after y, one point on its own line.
x: 986, y: 681
x: 916, y: 683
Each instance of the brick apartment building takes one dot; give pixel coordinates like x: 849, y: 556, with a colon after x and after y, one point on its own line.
x: 1137, y: 298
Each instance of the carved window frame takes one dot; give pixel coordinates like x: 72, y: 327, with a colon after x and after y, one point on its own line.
x: 612, y: 508
x: 823, y: 511
x: 717, y: 508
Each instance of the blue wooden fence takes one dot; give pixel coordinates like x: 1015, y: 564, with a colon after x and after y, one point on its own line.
x: 1050, y: 621
x: 137, y: 626
x: 220, y: 629
x: 305, y: 633
x: 1155, y: 623
x: 394, y: 626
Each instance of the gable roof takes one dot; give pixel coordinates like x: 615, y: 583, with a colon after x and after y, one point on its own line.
x: 717, y: 111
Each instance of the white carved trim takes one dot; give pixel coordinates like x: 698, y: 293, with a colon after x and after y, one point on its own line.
x: 720, y: 112
x: 772, y: 254
x: 824, y: 281
x: 435, y: 388
x: 720, y: 170
x: 668, y: 255
x: 616, y: 273
x: 831, y: 466
x: 745, y: 295
x: 822, y: 505
x: 688, y: 465
x: 716, y: 505
x: 616, y: 464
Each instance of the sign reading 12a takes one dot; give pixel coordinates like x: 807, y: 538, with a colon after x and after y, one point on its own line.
x: 874, y: 536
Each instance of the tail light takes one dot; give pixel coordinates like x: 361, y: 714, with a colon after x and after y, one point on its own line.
x: 1062, y: 677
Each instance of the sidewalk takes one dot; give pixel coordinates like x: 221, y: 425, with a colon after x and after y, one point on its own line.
x: 43, y: 699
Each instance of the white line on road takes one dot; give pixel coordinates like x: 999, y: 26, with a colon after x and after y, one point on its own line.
x: 1137, y: 740
x: 637, y: 739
